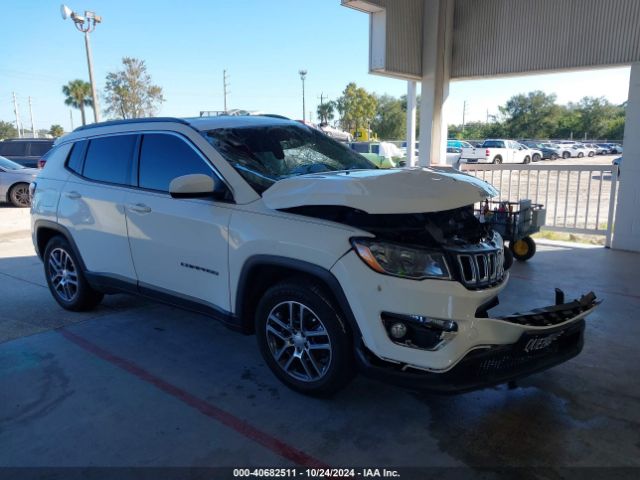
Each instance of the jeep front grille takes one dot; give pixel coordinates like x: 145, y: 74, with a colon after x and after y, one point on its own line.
x: 480, y: 269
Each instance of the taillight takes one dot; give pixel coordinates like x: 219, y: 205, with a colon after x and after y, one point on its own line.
x: 41, y: 163
x: 487, y: 153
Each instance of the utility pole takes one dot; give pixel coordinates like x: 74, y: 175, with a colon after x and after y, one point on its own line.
x: 225, y: 84
x: 464, y: 114
x: 303, y: 76
x: 71, y: 118
x: 86, y: 24
x: 17, y: 113
x: 487, y: 115
x: 34, y: 134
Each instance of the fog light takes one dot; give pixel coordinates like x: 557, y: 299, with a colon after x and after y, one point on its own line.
x: 398, y: 330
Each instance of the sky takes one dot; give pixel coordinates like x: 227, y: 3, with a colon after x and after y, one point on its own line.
x: 262, y: 45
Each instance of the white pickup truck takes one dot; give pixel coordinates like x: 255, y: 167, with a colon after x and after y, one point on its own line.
x: 497, y: 151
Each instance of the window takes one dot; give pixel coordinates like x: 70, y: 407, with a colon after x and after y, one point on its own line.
x: 164, y: 157
x: 493, y: 144
x: 263, y: 155
x: 38, y: 149
x: 77, y: 156
x: 109, y: 159
x: 15, y: 149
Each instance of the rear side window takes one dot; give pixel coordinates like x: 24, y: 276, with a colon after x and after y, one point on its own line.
x: 164, y: 157
x: 109, y: 159
x: 16, y: 149
x: 77, y: 156
x: 38, y: 149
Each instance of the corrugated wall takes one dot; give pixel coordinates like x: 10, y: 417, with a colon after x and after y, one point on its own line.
x: 495, y: 37
x: 404, y: 36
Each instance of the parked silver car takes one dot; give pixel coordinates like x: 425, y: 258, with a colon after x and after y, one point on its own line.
x: 14, y: 182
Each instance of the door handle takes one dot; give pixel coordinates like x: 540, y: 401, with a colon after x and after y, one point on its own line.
x: 139, y: 208
x: 73, y: 195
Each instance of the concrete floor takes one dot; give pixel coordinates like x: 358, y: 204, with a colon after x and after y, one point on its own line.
x: 140, y: 384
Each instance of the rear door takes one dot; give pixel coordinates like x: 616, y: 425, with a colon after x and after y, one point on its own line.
x: 92, y: 203
x: 179, y: 246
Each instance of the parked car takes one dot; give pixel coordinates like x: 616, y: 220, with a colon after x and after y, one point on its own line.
x: 618, y: 163
x: 615, y: 148
x: 563, y: 150
x: 597, y: 148
x: 453, y: 157
x: 381, y: 154
x: 278, y: 230
x: 546, y: 152
x: 535, y: 154
x: 14, y: 182
x: 583, y: 150
x: 335, y: 133
x: 458, y: 144
x: 25, y: 151
x: 497, y: 151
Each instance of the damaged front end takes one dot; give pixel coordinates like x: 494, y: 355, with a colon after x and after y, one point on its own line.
x: 410, y: 245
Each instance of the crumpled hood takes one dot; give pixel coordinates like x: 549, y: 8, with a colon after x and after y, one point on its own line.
x: 397, y: 190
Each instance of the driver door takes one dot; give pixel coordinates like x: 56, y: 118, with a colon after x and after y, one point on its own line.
x: 178, y: 246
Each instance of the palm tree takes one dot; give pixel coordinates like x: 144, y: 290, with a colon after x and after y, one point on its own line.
x: 78, y: 93
x: 325, y: 111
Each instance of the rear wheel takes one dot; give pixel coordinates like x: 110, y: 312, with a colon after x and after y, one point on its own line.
x: 592, y: 154
x: 554, y: 156
x: 565, y: 155
x: 19, y: 195
x: 580, y: 155
x: 527, y: 159
x: 497, y: 159
x: 536, y: 157
x: 523, y: 249
x: 303, y: 338
x: 66, y: 281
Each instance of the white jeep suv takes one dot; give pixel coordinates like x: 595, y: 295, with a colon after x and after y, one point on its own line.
x: 278, y: 230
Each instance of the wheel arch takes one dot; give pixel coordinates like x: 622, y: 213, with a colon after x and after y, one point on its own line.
x: 45, y: 230
x: 260, y: 272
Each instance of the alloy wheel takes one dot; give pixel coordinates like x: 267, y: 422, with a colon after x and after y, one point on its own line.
x: 298, y: 341
x: 63, y: 274
x: 20, y: 195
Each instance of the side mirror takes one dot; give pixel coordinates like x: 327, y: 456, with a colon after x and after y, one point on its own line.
x: 196, y: 185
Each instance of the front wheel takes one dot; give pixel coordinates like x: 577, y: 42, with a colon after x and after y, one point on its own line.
x: 523, y: 249
x: 580, y: 155
x: 65, y: 278
x: 592, y: 154
x: 19, y: 195
x: 303, y: 338
x: 565, y: 155
x: 527, y: 160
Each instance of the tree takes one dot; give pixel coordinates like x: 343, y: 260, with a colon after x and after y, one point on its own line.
x: 390, y: 120
x: 356, y: 106
x: 78, y: 95
x: 325, y: 111
x: 7, y: 130
x: 534, y: 115
x: 56, y: 130
x: 129, y: 93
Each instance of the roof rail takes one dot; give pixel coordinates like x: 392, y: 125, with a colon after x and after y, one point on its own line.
x: 131, y: 120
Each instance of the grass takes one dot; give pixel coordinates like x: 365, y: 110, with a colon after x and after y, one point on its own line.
x: 570, y: 237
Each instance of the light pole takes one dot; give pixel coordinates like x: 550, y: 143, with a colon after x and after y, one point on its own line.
x: 86, y: 24
x: 303, y: 75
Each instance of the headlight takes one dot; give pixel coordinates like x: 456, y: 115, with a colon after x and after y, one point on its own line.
x: 401, y: 261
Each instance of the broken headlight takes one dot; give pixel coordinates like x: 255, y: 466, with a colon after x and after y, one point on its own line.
x: 401, y: 261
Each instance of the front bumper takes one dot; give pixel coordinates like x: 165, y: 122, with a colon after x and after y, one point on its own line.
x: 481, y: 368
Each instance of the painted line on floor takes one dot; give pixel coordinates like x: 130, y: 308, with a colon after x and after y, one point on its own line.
x: 608, y: 292
x: 229, y: 420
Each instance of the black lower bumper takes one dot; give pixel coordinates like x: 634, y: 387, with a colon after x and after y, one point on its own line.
x: 483, y: 368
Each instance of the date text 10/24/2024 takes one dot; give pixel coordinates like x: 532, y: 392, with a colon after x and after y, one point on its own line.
x: 315, y: 473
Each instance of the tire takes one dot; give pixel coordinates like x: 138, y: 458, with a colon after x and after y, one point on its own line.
x: 536, y: 157
x: 566, y: 155
x: 65, y: 278
x: 284, y: 340
x: 554, y: 156
x: 580, y: 154
x: 592, y: 154
x: 19, y: 195
x: 508, y: 259
x: 497, y: 159
x: 526, y: 160
x: 523, y: 249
